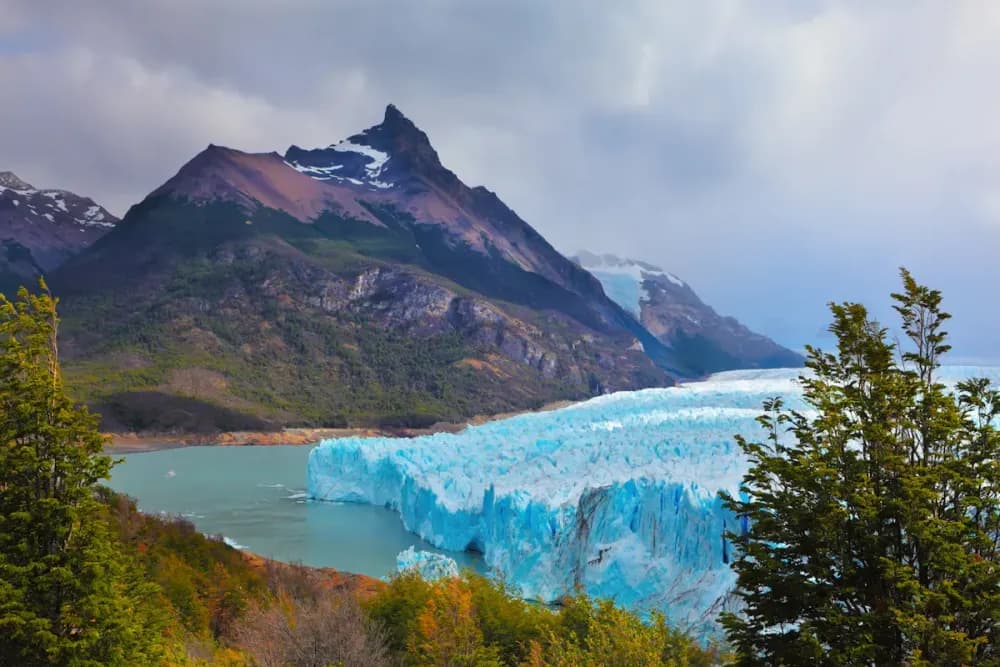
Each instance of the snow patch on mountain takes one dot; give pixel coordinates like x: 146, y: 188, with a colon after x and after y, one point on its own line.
x: 635, y: 269
x: 374, y: 167
x: 371, y: 167
x: 670, y: 309
x: 625, y: 280
x: 95, y: 215
x: 56, y: 206
x: 319, y: 173
x: 672, y: 278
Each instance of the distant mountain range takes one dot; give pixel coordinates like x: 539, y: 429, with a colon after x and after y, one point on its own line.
x: 359, y: 284
x: 41, y: 229
x: 667, y: 306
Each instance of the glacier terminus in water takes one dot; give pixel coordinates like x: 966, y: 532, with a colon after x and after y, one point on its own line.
x: 618, y: 495
x: 431, y: 566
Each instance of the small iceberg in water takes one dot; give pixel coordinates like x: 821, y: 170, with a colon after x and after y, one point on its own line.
x: 427, y: 564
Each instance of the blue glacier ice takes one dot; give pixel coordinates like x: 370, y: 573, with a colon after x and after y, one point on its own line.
x: 623, y: 289
x: 431, y: 566
x: 617, y: 495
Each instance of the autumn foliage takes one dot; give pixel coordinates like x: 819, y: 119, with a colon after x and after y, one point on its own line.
x: 472, y: 621
x: 86, y: 579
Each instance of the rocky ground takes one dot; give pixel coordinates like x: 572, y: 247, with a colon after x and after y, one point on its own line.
x: 133, y: 443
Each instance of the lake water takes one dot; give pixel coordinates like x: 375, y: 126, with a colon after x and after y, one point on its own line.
x: 255, y: 497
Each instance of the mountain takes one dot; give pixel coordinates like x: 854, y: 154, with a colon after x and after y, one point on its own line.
x: 667, y: 306
x: 41, y: 229
x: 467, y: 234
x: 358, y: 284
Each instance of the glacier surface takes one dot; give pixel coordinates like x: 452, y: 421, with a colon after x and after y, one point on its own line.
x: 618, y: 495
x: 431, y: 566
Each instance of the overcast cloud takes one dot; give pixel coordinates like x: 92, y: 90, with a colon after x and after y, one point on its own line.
x: 777, y: 155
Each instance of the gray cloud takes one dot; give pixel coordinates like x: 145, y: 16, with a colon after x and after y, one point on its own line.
x: 777, y: 155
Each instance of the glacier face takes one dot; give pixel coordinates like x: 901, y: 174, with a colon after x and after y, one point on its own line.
x: 431, y: 566
x: 617, y: 495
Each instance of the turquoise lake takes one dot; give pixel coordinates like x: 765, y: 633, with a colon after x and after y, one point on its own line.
x: 255, y: 498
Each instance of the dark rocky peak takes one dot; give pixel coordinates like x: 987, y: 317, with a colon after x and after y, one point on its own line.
x: 394, y: 115
x: 376, y: 159
x: 9, y: 179
x: 395, y: 123
x: 399, y: 135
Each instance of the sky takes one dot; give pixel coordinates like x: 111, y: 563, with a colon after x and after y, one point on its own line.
x: 777, y: 155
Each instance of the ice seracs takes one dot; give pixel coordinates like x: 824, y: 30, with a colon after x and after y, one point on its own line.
x: 431, y: 566
x: 618, y: 494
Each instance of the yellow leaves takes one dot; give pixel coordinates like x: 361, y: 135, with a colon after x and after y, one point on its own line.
x: 535, y: 657
x: 447, y: 633
x: 472, y: 621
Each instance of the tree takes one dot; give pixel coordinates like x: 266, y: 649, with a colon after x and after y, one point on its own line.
x: 448, y: 634
x: 595, y: 634
x: 475, y: 621
x: 871, y: 519
x: 328, y: 630
x: 68, y: 593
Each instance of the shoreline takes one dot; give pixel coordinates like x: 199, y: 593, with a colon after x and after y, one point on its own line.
x: 138, y: 443
x: 359, y: 585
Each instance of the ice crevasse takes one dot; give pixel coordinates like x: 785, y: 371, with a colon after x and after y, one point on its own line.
x: 618, y: 495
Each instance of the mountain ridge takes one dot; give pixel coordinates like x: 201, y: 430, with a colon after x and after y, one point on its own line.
x: 256, y: 290
x: 670, y: 309
x: 40, y: 228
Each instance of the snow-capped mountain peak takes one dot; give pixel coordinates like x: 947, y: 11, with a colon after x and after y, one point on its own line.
x: 629, y: 281
x: 633, y: 268
x: 378, y: 158
x: 673, y: 312
x: 10, y: 181
x: 56, y: 206
x: 41, y: 229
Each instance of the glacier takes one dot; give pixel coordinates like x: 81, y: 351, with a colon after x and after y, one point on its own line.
x: 431, y: 566
x: 617, y: 495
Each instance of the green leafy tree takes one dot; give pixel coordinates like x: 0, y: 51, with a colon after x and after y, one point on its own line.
x: 871, y: 519
x: 68, y: 594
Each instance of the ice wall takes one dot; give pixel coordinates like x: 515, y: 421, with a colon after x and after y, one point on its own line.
x: 618, y: 494
x: 430, y: 565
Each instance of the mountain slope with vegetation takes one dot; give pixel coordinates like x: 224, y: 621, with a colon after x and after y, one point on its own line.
x: 87, y: 580
x: 254, y: 291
